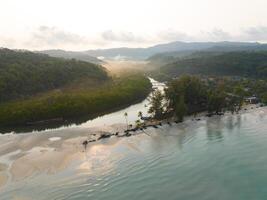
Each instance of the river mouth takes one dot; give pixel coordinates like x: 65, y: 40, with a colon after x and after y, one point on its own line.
x: 60, y: 123
x: 191, y: 160
x: 221, y: 157
x: 113, y: 116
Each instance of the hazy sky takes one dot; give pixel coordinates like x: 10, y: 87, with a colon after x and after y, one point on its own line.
x: 87, y: 24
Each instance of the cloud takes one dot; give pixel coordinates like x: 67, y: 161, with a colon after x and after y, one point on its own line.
x: 251, y: 34
x: 53, y: 36
x: 173, y: 35
x: 214, y: 35
x: 258, y: 33
x: 47, y: 37
x: 110, y: 35
x: 7, y: 42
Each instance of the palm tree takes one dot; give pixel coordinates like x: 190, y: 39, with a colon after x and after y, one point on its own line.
x: 126, y: 119
x: 140, y: 114
x: 156, y: 104
x: 137, y: 123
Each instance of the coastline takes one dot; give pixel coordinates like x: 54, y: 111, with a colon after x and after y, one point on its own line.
x: 60, y: 122
x: 24, y: 155
x: 69, y: 108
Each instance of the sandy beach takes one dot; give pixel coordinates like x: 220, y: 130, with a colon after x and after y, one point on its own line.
x: 50, y: 152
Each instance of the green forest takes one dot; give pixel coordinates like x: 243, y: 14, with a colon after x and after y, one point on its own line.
x: 120, y: 92
x: 23, y: 73
x: 36, y: 87
x: 247, y: 64
x: 189, y: 95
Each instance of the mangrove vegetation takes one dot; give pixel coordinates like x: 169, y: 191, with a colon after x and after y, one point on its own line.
x: 23, y: 73
x: 189, y: 95
x: 36, y: 88
x: 243, y: 64
x: 119, y: 92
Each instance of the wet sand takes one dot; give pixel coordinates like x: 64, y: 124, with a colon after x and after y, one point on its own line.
x: 3, y: 179
x: 27, y: 154
x: 50, y: 152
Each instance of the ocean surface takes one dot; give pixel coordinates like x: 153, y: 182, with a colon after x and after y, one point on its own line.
x: 222, y: 158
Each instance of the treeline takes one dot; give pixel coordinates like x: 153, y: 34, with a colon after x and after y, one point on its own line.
x: 246, y: 64
x: 24, y: 73
x: 75, y: 104
x: 78, y: 55
x: 190, y: 95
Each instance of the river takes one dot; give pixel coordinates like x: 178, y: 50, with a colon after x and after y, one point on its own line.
x: 101, y: 121
x: 220, y: 158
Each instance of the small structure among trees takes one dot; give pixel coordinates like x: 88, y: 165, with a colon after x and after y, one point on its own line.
x: 252, y: 100
x: 189, y: 95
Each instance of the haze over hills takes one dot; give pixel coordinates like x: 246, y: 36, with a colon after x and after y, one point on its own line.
x: 144, y: 53
x: 36, y: 88
x: 24, y: 73
x: 83, y: 56
x: 238, y: 63
x: 126, y: 100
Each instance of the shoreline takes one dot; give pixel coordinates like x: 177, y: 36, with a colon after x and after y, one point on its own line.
x: 54, y: 124
x: 25, y: 155
x: 76, y: 108
x: 158, y: 123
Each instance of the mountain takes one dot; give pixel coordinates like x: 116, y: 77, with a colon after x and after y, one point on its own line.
x: 196, y: 46
x: 144, y: 53
x: 125, y: 53
x: 121, y: 53
x: 249, y: 64
x: 78, y: 55
x: 24, y: 73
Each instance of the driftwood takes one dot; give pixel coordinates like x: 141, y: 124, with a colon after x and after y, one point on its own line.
x: 126, y: 133
x: 104, y: 135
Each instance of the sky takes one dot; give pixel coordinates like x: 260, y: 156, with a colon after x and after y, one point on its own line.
x: 98, y: 24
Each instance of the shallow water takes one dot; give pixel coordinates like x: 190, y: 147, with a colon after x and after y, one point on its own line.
x: 101, y: 121
x: 216, y: 158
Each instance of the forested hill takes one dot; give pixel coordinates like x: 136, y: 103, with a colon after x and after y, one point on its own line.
x: 251, y: 64
x: 83, y: 56
x: 24, y: 73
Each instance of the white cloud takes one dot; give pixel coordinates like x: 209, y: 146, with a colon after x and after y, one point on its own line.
x: 7, y: 42
x: 173, y: 35
x: 45, y: 37
x: 51, y: 37
x: 121, y: 36
x: 256, y: 33
x: 215, y: 35
x: 251, y: 34
x: 81, y: 24
x: 54, y: 37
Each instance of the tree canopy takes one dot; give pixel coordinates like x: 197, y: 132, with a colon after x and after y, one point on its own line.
x: 248, y: 64
x: 70, y: 105
x: 188, y: 95
x: 23, y: 73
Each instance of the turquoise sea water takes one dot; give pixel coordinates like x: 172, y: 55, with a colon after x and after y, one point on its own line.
x: 218, y: 158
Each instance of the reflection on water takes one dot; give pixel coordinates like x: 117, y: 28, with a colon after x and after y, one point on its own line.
x: 220, y: 158
x: 214, y: 129
x: 105, y: 120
